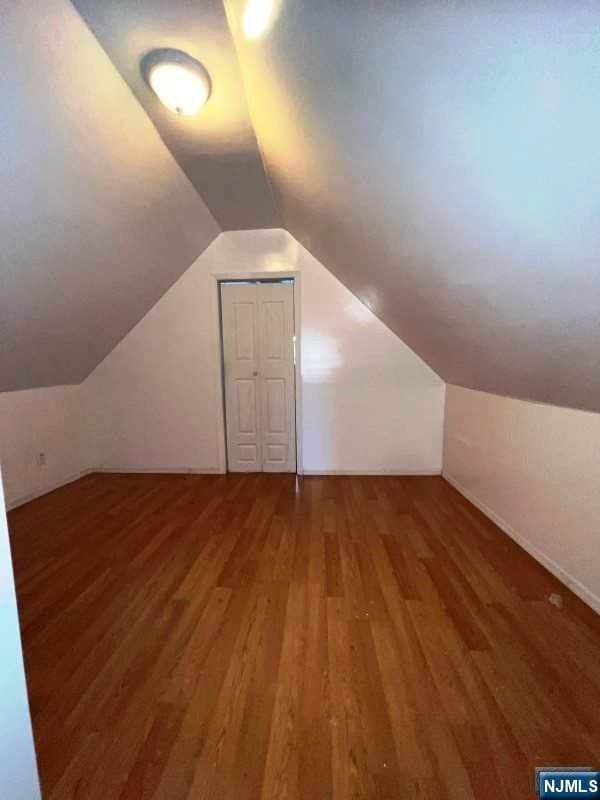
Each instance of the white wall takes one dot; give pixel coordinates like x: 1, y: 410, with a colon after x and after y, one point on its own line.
x: 35, y: 421
x: 18, y: 771
x: 369, y: 403
x: 535, y: 470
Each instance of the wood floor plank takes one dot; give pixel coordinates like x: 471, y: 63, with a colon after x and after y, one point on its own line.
x: 257, y: 637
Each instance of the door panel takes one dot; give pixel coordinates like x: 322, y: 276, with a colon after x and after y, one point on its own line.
x: 245, y: 335
x: 274, y: 321
x: 258, y: 351
x: 246, y: 406
x: 276, y: 454
x: 239, y: 309
x: 247, y: 454
x: 275, y: 417
x: 276, y: 358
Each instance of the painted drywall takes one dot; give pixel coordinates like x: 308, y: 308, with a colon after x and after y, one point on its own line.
x: 18, y: 770
x: 534, y: 469
x: 96, y: 218
x: 34, y: 421
x: 369, y: 403
x: 440, y: 159
x: 217, y: 148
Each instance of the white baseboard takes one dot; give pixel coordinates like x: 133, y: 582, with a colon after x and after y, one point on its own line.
x: 161, y: 470
x: 368, y: 472
x: 20, y: 500
x: 563, y: 576
x: 221, y: 471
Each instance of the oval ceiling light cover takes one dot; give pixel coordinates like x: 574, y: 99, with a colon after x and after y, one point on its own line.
x: 179, y: 81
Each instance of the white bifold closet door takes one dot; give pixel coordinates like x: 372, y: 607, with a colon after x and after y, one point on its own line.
x: 258, y: 353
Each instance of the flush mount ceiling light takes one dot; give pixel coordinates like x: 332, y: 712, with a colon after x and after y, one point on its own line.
x: 179, y: 81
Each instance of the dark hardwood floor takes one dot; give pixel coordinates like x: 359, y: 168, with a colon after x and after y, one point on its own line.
x: 237, y: 637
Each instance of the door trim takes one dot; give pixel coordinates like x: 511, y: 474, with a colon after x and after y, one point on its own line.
x: 270, y: 275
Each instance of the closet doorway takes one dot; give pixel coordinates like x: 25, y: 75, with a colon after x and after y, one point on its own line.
x: 258, y: 345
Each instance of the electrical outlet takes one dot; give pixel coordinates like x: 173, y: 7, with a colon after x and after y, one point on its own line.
x: 41, y: 459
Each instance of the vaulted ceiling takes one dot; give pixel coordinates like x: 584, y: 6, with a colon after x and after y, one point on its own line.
x: 96, y: 219
x: 216, y: 149
x: 440, y: 158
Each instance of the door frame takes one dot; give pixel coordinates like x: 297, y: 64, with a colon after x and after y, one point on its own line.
x: 264, y: 275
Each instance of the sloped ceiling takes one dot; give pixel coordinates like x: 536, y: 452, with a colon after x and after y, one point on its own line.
x: 442, y: 159
x: 217, y: 149
x: 96, y: 218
